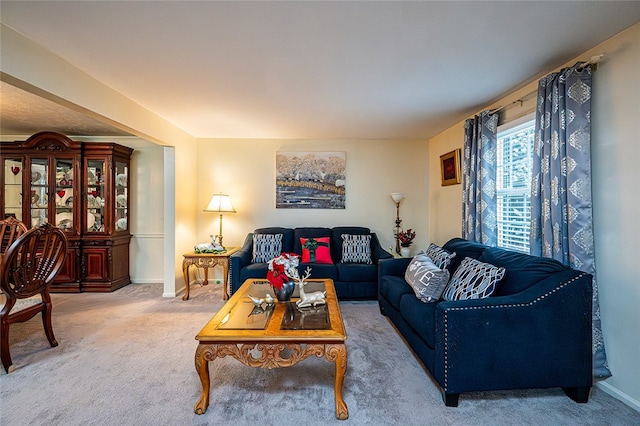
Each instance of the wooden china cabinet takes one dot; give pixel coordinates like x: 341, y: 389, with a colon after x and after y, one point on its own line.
x: 82, y: 188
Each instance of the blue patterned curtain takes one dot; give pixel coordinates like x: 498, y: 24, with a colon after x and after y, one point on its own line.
x: 561, y: 218
x: 479, y: 221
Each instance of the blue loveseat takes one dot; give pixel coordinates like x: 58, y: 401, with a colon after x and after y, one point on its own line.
x: 533, y: 332
x: 351, y: 280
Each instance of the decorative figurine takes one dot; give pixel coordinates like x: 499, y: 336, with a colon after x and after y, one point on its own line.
x: 215, y: 242
x: 256, y: 301
x: 268, y: 299
x: 309, y: 299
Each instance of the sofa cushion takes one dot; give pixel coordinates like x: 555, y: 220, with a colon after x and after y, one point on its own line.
x: 523, y: 271
x: 266, y: 247
x: 319, y: 270
x: 336, y: 238
x: 463, y: 248
x: 253, y: 270
x: 427, y: 280
x: 473, y: 280
x: 393, y: 288
x: 308, y: 232
x: 287, y: 236
x: 357, y: 272
x: 441, y: 257
x: 420, y: 316
x: 356, y: 249
x: 316, y: 250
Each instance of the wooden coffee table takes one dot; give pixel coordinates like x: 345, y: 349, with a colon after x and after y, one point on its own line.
x: 282, y: 335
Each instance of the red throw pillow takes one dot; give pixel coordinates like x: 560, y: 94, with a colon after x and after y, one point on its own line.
x: 315, y: 250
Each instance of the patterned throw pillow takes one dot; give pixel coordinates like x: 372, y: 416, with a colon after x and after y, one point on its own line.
x: 315, y: 250
x: 428, y: 281
x: 356, y: 249
x: 440, y: 256
x: 473, y: 280
x: 266, y: 247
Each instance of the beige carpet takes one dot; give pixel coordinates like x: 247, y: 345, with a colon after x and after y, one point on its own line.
x: 126, y: 358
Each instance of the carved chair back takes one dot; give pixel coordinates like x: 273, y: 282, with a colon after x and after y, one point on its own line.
x: 10, y: 229
x: 27, y: 270
x: 33, y: 261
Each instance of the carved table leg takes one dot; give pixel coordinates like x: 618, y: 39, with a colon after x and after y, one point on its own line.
x: 204, y: 354
x: 225, y: 279
x: 338, y: 353
x: 185, y: 274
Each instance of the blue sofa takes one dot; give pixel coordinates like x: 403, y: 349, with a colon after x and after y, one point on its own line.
x: 351, y: 280
x: 533, y: 332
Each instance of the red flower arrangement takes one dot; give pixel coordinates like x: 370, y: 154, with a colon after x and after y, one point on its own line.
x: 406, y: 237
x: 282, y: 269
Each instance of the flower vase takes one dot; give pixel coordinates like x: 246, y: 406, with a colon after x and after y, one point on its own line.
x: 284, y: 294
x: 405, y: 251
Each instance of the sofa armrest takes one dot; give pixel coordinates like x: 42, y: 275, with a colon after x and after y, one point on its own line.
x: 393, y: 266
x: 377, y: 252
x: 538, y: 338
x: 239, y: 260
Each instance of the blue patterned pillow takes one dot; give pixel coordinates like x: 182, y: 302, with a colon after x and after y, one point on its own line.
x: 356, y: 249
x: 441, y: 257
x: 473, y: 280
x: 266, y: 247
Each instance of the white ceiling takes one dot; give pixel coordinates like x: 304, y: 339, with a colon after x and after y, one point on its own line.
x: 311, y: 69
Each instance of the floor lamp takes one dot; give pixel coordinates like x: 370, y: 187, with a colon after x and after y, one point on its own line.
x: 397, y: 197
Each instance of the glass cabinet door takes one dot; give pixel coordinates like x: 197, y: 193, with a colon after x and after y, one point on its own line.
x: 12, y: 190
x: 39, y: 197
x: 122, y: 196
x: 95, y: 195
x: 64, y: 194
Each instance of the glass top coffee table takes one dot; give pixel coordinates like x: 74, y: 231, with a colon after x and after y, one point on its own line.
x: 281, y: 334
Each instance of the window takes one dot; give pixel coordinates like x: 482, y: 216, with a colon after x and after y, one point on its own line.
x: 514, y: 151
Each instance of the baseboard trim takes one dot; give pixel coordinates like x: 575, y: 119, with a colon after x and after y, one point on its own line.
x: 146, y: 281
x: 618, y: 394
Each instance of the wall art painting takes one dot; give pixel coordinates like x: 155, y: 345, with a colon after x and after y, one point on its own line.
x: 310, y: 180
x: 450, y: 167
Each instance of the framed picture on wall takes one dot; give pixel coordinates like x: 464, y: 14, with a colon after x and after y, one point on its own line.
x: 310, y: 180
x: 450, y: 167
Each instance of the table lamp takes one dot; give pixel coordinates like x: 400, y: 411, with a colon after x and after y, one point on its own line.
x: 220, y: 203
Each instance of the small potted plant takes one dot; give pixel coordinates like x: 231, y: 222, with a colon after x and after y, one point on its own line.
x: 406, y: 239
x: 283, y: 270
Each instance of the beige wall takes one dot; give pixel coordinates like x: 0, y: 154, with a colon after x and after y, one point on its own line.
x: 245, y: 169
x: 615, y: 150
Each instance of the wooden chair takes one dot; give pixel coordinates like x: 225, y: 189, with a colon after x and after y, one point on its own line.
x: 10, y: 229
x: 27, y: 270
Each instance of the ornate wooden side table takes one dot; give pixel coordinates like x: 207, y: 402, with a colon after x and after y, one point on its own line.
x: 206, y: 261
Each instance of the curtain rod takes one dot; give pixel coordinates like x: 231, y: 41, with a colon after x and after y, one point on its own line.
x: 593, y: 61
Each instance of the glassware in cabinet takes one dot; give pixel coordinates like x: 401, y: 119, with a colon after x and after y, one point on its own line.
x: 64, y: 190
x: 95, y: 195
x: 12, y: 192
x: 122, y: 196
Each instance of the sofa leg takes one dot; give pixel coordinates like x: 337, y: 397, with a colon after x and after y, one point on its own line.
x: 450, y: 399
x: 578, y: 394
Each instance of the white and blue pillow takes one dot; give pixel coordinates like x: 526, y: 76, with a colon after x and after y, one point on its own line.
x: 266, y: 247
x: 441, y: 257
x: 356, y: 249
x: 473, y: 280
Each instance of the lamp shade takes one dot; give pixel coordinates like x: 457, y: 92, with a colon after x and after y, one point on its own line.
x: 220, y: 203
x: 397, y: 196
